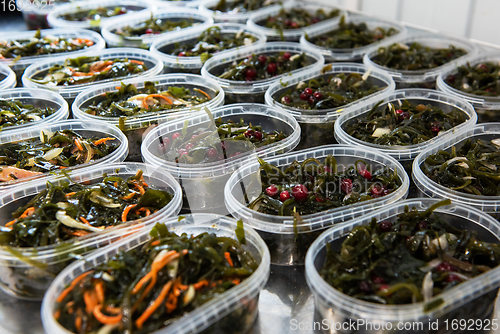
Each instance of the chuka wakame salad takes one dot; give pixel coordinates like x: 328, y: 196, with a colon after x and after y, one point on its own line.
x: 96, y: 14
x: 479, y: 79
x: 154, y: 26
x: 13, y: 112
x: 242, y: 6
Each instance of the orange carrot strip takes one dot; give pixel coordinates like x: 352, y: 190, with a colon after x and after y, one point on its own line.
x: 126, y: 211
x: 107, y: 68
x: 105, y: 319
x: 169, y: 101
x: 85, y: 221
x: 70, y: 194
x: 82, y: 74
x: 236, y: 281
x: 99, y: 290
x: 72, y: 285
x: 28, y: 212
x: 79, y: 233
x: 203, y: 92
x: 153, y: 306
x: 114, y: 310
x: 141, y: 189
x: 155, y: 243
x: 228, y: 259
x: 57, y: 314
x: 78, y: 323
x: 138, y: 62
x: 141, y: 282
x: 171, y: 303
x: 144, y: 181
x: 200, y: 284
x: 103, y: 140
x: 78, y: 145
x: 129, y: 196
x: 90, y: 300
x: 11, y: 223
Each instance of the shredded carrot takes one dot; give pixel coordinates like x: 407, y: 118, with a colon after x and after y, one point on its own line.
x: 138, y: 62
x: 228, y: 259
x: 78, y: 145
x: 141, y: 282
x: 72, y: 285
x: 144, y: 181
x: 70, y: 194
x: 105, y: 319
x: 203, y: 92
x: 103, y: 140
x: 114, y: 310
x: 145, y: 99
x: 155, y: 243
x: 99, y: 290
x: 57, y: 314
x: 79, y: 233
x: 11, y: 223
x: 78, y: 323
x: 62, y: 167
x: 107, y: 68
x: 200, y: 284
x: 129, y: 196
x: 115, y: 184
x: 153, y: 306
x: 85, y: 221
x: 82, y: 74
x: 126, y: 211
x: 28, y: 212
x: 236, y: 281
x: 141, y: 189
x: 148, y: 212
x: 171, y: 303
x: 90, y: 300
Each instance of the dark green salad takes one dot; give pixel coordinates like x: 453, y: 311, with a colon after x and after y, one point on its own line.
x: 76, y: 71
x: 151, y: 286
x: 241, y: 6
x: 403, y: 124
x: 38, y: 45
x: 350, y: 35
x: 210, y: 42
x: 408, y: 259
x: 14, y: 112
x: 327, y: 92
x: 415, y: 56
x: 295, y: 18
x: 154, y: 26
x: 480, y: 79
x: 472, y: 169
x: 52, y: 151
x: 62, y: 212
x: 129, y: 101
x: 218, y: 141
x: 260, y: 67
x: 96, y: 14
x: 312, y: 186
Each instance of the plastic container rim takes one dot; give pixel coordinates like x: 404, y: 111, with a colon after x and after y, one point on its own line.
x: 10, y: 79
x: 218, y: 16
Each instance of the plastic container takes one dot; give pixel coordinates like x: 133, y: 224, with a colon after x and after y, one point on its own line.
x: 136, y: 127
x: 257, y: 21
x: 354, y: 54
x: 468, y: 302
x: 7, y: 77
x: 176, y: 3
x: 207, y: 7
x: 406, y: 154
x: 429, y: 188
x: 287, y: 246
x: 203, y: 184
x: 39, y: 98
x: 317, y: 125
x: 19, y: 66
x: 253, y: 91
x: 82, y: 127
x: 421, y: 78
x: 153, y: 63
x: 233, y: 312
x: 487, y: 108
x: 200, y: 20
x: 171, y: 63
x: 35, y: 13
x: 29, y: 279
x: 56, y: 20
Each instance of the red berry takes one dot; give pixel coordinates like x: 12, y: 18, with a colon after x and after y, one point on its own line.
x: 319, y: 199
x: 149, y: 31
x: 312, y: 100
x: 288, y: 22
x: 249, y: 133
x: 346, y: 186
x: 182, y: 151
x: 404, y: 115
x: 378, y: 280
x: 193, y: 136
x: 294, y: 25
x: 271, y: 68
x: 286, y: 99
x: 182, y: 54
x: 300, y: 192
x: 377, y: 190
x: 262, y: 59
x: 284, y: 196
x: 211, y: 153
x: 385, y: 226
x: 317, y: 95
x: 287, y: 55
x: 366, y: 174
x: 176, y: 135
x: 422, y: 225
x: 308, y: 91
x: 188, y: 146
x: 482, y: 67
x: 453, y: 278
x: 435, y: 127
x: 327, y: 169
x: 258, y: 135
x: 399, y: 111
x: 384, y: 287
x: 304, y: 96
x: 445, y: 267
x: 250, y: 73
x: 272, y: 190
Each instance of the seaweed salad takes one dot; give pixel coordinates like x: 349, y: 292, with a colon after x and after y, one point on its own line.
x: 295, y: 18
x: 241, y: 6
x: 14, y: 112
x: 480, y: 79
x: 154, y: 26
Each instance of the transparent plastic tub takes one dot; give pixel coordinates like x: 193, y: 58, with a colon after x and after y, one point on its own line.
x: 468, y: 302
x: 27, y: 272
x: 429, y: 188
x: 176, y: 3
x: 82, y: 127
x: 317, y: 125
x: 39, y: 98
x: 207, y: 7
x: 153, y: 63
x: 421, y: 78
x: 253, y: 91
x: 56, y: 20
x: 108, y: 31
x: 7, y: 77
x: 35, y: 13
x: 171, y: 63
x: 20, y: 65
x: 232, y: 312
x: 203, y: 184
x: 487, y: 108
x: 257, y: 20
x: 136, y: 127
x: 355, y: 54
x: 287, y: 246
x: 406, y: 154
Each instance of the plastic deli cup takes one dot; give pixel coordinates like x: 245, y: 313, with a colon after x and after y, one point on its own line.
x: 257, y: 21
x: 27, y: 272
x: 176, y: 3
x: 163, y: 47
x: 430, y: 188
x: 18, y: 66
x: 253, y: 91
x: 470, y: 301
x: 38, y: 98
x: 113, y: 39
x: 232, y: 312
x: 153, y: 63
x: 420, y: 78
x: 136, y: 127
x: 487, y: 107
x: 56, y: 17
x: 203, y: 184
x: 7, y: 77
x: 406, y: 154
x: 81, y: 127
x: 288, y: 241
x: 35, y: 13
x: 235, y: 16
x: 350, y: 54
x: 317, y: 125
